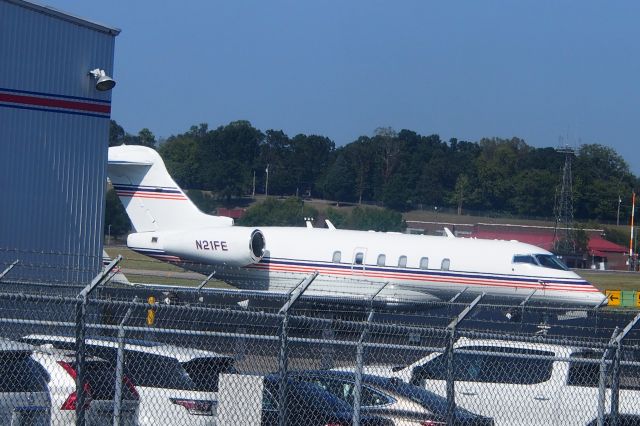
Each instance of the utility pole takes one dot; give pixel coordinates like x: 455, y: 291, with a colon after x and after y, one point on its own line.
x: 633, y: 208
x: 253, y: 192
x: 266, y: 183
x: 618, y: 216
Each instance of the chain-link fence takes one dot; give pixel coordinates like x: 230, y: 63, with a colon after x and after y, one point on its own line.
x: 163, y: 355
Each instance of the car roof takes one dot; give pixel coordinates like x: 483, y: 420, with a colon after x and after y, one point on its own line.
x: 12, y: 345
x: 540, y: 346
x: 180, y: 353
x: 63, y: 354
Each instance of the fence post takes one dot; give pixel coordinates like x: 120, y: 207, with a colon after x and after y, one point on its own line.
x: 80, y: 349
x: 357, y: 390
x: 451, y: 394
x: 602, y: 383
x: 283, y: 359
x: 615, y: 379
x: 9, y: 268
x: 81, y: 310
x: 451, y: 391
x: 615, y: 385
x: 117, y: 403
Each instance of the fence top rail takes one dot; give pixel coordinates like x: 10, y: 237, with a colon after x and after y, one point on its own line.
x: 258, y: 317
x: 425, y: 350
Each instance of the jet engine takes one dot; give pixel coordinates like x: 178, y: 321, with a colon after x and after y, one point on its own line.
x: 230, y: 246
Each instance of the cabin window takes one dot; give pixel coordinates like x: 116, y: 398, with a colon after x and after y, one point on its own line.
x: 337, y: 256
x: 424, y: 263
x: 402, y: 261
x: 524, y: 258
x: 445, y: 264
x: 382, y: 259
x: 154, y: 239
x: 359, y: 258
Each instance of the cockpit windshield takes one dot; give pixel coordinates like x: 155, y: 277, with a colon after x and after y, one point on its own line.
x: 544, y: 260
x: 551, y: 261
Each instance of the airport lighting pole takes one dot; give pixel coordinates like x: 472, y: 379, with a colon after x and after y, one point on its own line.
x: 266, y: 183
x: 618, y: 216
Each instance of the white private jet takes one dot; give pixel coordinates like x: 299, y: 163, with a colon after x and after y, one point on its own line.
x: 350, y: 264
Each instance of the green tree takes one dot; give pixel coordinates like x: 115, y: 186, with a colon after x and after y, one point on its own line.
x: 146, y: 138
x: 273, y: 212
x: 460, y: 192
x: 600, y: 177
x: 340, y: 180
x: 116, y: 134
x: 338, y: 218
x: 203, y: 200
x: 310, y: 160
x: 396, y: 194
x: 375, y: 219
x: 499, y: 161
x: 116, y: 221
x: 533, y: 193
x: 181, y: 156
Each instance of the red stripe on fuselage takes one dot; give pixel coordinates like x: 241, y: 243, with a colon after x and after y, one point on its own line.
x: 156, y: 195
x: 435, y: 278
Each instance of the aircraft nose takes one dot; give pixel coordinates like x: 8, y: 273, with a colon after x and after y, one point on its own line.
x: 600, y: 299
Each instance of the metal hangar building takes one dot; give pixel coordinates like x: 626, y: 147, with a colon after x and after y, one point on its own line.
x: 55, y: 108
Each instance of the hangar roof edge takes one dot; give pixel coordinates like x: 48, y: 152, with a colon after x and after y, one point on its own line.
x: 48, y: 10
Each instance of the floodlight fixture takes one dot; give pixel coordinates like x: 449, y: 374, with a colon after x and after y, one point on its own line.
x: 104, y: 82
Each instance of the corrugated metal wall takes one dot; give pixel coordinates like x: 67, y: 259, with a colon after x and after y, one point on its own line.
x: 54, y: 128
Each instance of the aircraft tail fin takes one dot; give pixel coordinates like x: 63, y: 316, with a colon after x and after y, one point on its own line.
x: 152, y: 199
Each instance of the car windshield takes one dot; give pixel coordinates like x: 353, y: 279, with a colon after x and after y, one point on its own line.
x: 158, y: 371
x: 100, y: 376
x: 551, y: 261
x: 204, y: 372
x: 344, y: 389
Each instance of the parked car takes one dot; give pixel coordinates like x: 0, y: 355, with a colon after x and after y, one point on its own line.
x: 310, y: 405
x: 400, y: 402
x: 61, y: 372
x: 24, y: 395
x: 524, y: 383
x: 173, y: 382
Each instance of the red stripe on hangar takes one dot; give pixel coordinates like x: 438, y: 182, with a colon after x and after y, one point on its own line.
x: 40, y: 101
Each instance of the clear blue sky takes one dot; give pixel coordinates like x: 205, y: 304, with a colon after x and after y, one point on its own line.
x: 465, y: 69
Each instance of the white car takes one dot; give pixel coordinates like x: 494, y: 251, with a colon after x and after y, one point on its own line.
x: 24, y: 395
x: 173, y: 382
x: 523, y: 383
x: 60, y: 368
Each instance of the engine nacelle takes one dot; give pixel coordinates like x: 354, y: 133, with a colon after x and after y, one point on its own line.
x: 231, y: 246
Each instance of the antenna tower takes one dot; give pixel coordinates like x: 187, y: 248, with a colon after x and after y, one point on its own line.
x: 564, y: 241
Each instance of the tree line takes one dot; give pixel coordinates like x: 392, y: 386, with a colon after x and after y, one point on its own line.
x: 399, y: 170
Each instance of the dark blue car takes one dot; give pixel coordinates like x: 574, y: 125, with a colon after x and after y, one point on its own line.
x: 310, y: 405
x: 398, y: 402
